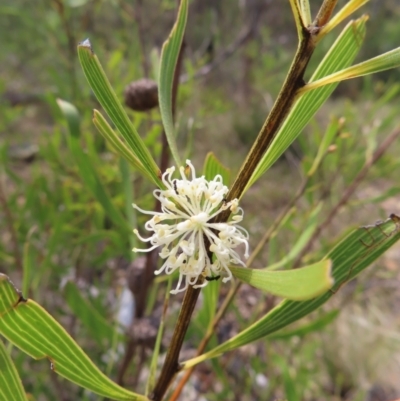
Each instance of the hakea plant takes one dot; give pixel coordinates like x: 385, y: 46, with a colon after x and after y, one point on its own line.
x: 186, y: 232
x: 196, y: 233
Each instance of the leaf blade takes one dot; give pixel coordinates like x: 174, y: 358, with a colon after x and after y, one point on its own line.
x: 112, y: 137
x: 296, y: 284
x: 341, y: 54
x: 105, y: 94
x: 212, y: 167
x: 383, y: 62
x: 11, y: 388
x: 352, y: 255
x: 169, y: 58
x: 29, y: 327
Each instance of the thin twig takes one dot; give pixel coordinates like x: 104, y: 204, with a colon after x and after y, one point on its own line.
x: 325, y: 13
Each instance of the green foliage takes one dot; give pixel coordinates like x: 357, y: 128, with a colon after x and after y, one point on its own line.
x: 213, y: 167
x: 10, y: 383
x: 341, y: 54
x: 169, y: 58
x: 66, y: 214
x: 109, y: 100
x: 27, y: 325
x: 352, y: 255
x: 300, y: 284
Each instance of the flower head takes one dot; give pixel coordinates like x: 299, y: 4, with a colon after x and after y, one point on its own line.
x: 186, y: 233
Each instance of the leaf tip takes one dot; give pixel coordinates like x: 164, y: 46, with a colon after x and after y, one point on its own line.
x: 86, y: 44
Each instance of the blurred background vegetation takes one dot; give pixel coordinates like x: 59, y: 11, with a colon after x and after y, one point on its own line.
x: 58, y: 244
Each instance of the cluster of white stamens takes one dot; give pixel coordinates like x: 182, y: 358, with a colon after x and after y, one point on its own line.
x: 184, y: 229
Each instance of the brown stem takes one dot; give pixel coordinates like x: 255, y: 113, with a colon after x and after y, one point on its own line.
x: 171, y: 366
x: 324, y: 13
x: 348, y: 192
x: 275, y: 118
x: 282, y: 106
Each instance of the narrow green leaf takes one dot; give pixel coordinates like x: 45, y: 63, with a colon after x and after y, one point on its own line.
x: 100, y: 329
x: 297, y: 284
x: 349, y: 8
x: 169, y: 57
x: 391, y: 192
x: 86, y: 169
x: 294, y: 4
x: 212, y: 167
x: 112, y: 137
x: 105, y: 94
x: 11, y: 388
x: 316, y: 325
x: 341, y: 54
x: 29, y: 327
x: 385, y: 61
x: 352, y: 255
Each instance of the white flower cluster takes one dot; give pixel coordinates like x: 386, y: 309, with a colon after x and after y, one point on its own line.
x: 185, y: 232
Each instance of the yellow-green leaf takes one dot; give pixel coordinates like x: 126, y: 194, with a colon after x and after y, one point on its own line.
x: 340, y: 55
x: 349, y: 8
x: 105, y: 94
x: 118, y: 145
x: 385, y: 61
x: 11, y: 388
x: 352, y: 255
x: 212, y: 167
x: 297, y: 284
x: 29, y: 327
